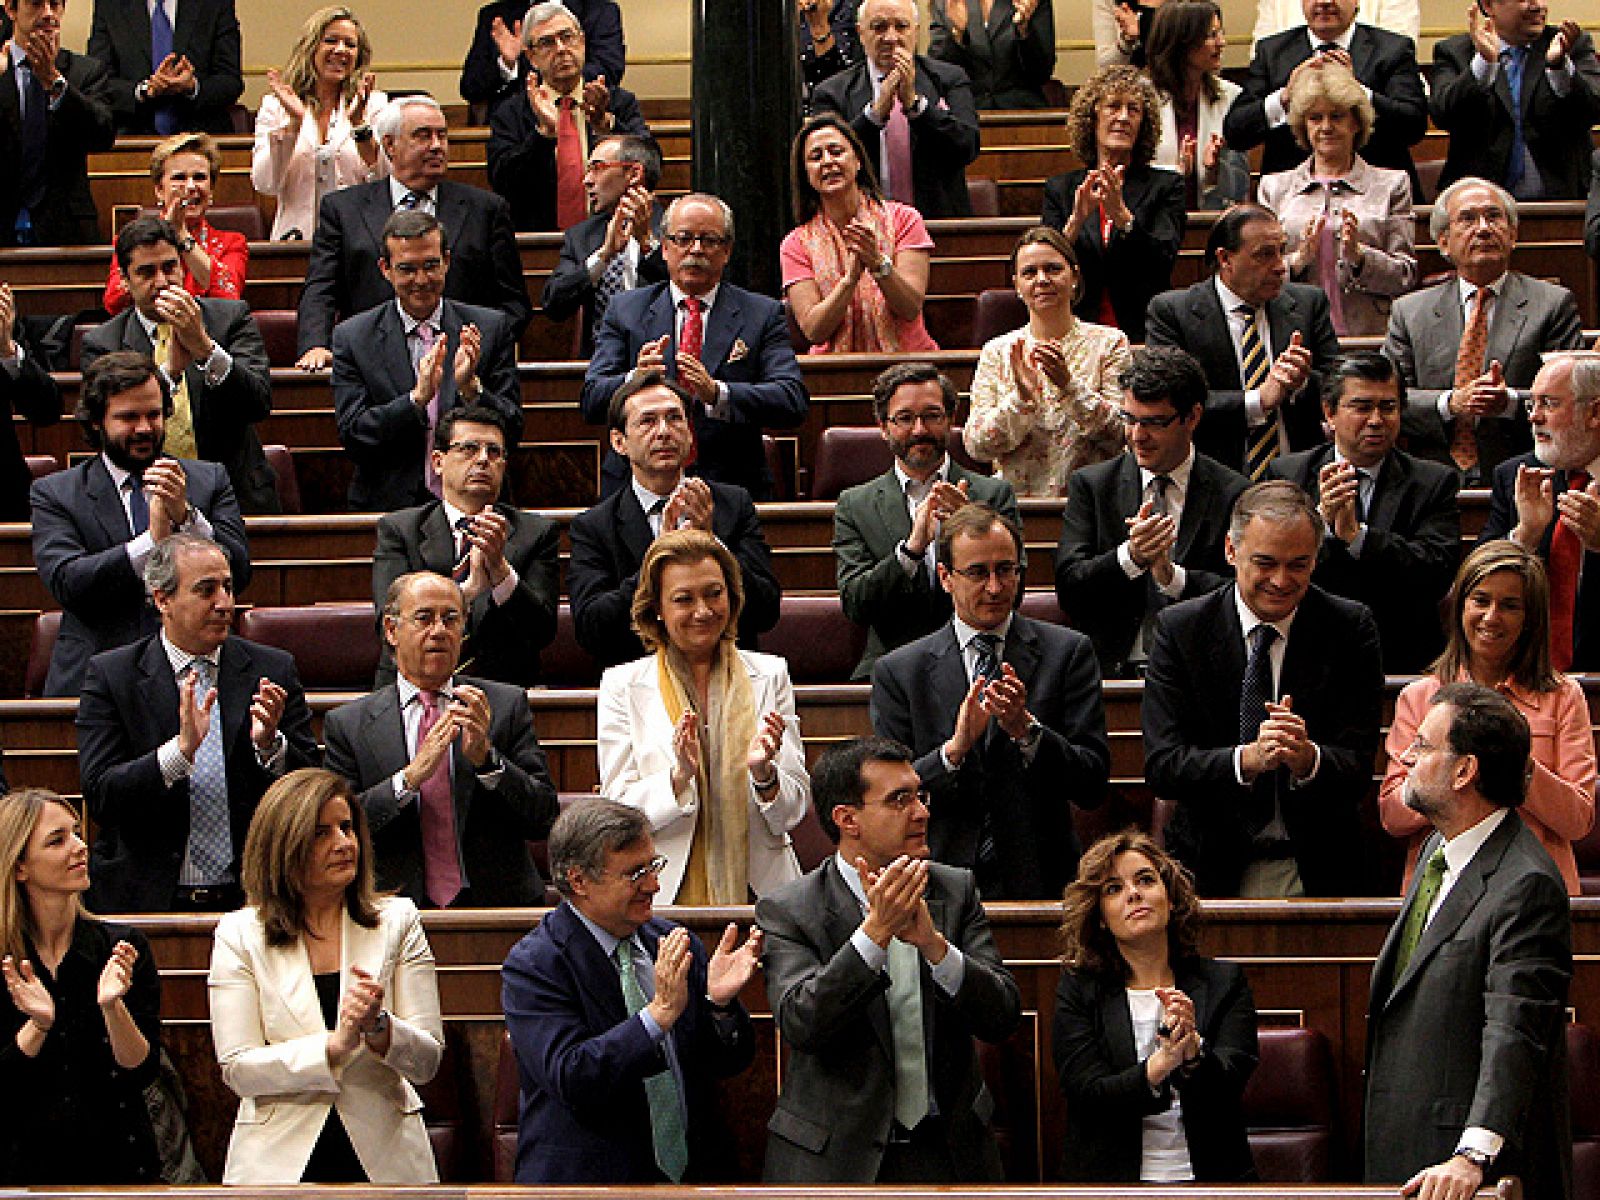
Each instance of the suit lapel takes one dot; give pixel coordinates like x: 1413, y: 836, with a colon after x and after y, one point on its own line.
x: 1117, y: 1022
x: 159, y: 689
x: 726, y: 321
x: 1021, y: 648
x: 1448, y: 321
x: 391, y: 349
x: 1211, y: 328
x: 362, y: 947
x: 288, y: 971
x: 840, y: 917
x: 436, y: 542
x: 1282, y: 314
x: 1196, y: 505
x: 107, y: 504
x: 633, y: 527
x: 661, y: 318
x: 139, y: 18
x: 1510, y: 319
x: 594, y: 972
x: 1362, y: 48
x: 890, y: 503
x: 383, y: 731
x: 947, y: 676
x: 1387, y: 491
x: 376, y: 205
x: 237, y: 687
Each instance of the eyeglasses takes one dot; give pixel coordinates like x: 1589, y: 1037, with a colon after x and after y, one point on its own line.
x: 426, y: 618
x: 428, y: 266
x: 1005, y: 572
x: 567, y: 37
x: 1469, y: 218
x: 1365, y: 408
x: 596, y: 165
x: 905, y: 420
x: 1542, y: 403
x: 711, y: 241
x: 638, y: 875
x: 471, y: 450
x: 905, y: 798
x: 1146, y: 422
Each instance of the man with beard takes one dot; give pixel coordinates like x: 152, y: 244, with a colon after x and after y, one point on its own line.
x: 885, y: 531
x: 94, y: 526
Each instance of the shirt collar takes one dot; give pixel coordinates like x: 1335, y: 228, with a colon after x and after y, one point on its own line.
x: 1466, y: 289
x: 1179, y: 474
x: 608, y: 941
x: 645, y: 496
x: 1342, y: 41
x: 408, y: 323
x: 408, y: 690
x: 146, y: 324
x: 706, y: 301
x: 399, y: 191
x: 965, y: 633
x: 1461, y: 849
x: 119, y: 477
x: 1248, y: 619
x: 905, y: 481
x: 1369, y: 472
x: 181, y: 659
x: 852, y: 878
x: 1231, y: 300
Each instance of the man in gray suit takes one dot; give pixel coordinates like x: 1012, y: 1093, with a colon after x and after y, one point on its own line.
x: 884, y: 530
x: 880, y: 972
x: 1466, y: 1037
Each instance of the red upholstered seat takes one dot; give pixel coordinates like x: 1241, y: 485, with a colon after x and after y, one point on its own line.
x: 40, y: 465
x: 45, y: 627
x: 1583, y: 1068
x: 286, y: 482
x: 564, y: 663
x: 237, y: 218
x: 820, y: 642
x: 1290, y: 1107
x: 279, y: 329
x: 999, y: 310
x: 335, y: 646
x: 507, y: 1097
x: 451, y: 1139
x: 847, y: 455
x: 985, y: 196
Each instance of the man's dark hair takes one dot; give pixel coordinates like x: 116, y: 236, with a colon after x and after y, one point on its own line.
x: 471, y: 414
x: 1228, y: 233
x: 617, y: 411
x: 1488, y: 726
x: 837, y: 778
x: 1168, y: 373
x: 109, y: 376
x: 974, y: 520
x: 631, y: 148
x: 1370, y: 366
x: 145, y: 231
x: 588, y: 831
x: 896, y: 377
x: 408, y: 224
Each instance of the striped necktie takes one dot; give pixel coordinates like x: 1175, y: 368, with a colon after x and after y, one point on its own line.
x: 1261, y: 443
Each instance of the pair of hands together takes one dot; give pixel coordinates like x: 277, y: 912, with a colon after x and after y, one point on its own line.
x: 33, y: 1000
x: 731, y: 967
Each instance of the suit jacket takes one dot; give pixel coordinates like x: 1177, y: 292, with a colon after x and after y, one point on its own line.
x: 379, y: 425
x: 76, y: 127
x: 1408, y: 555
x: 1091, y: 585
x: 944, y: 139
x: 224, y: 416
x: 917, y: 691
x: 1007, y: 70
x: 1102, y: 1075
x: 609, y: 542
x: 366, y: 742
x: 30, y: 393
x: 271, y: 1044
x: 522, y: 161
x: 1133, y: 266
x: 1478, y: 118
x: 1493, y: 967
x: 582, y: 1060
x: 604, y: 51
x: 746, y: 347
x: 569, y: 287
x: 832, y: 1012
x: 206, y: 32
x: 634, y: 744
x: 1591, y: 211
x: 869, y: 521
x: 1333, y: 672
x: 342, y: 276
x: 80, y: 536
x: 502, y: 640
x: 1425, y: 333
x: 1192, y: 319
x: 128, y: 709
x: 1385, y: 62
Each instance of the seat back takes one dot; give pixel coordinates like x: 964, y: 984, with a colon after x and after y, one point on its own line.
x: 848, y: 455
x: 984, y: 193
x: 45, y: 627
x: 448, y: 1132
x: 335, y: 646
x: 280, y: 327
x: 507, y: 1111
x: 285, y: 480
x: 1290, y: 1105
x: 40, y: 465
x: 999, y: 310
x: 239, y: 218
x: 820, y: 642
x: 564, y: 663
x: 1043, y: 606
x: 1583, y: 1068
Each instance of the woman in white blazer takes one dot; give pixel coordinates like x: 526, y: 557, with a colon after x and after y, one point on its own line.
x: 1185, y: 64
x: 702, y: 736
x: 324, y: 1006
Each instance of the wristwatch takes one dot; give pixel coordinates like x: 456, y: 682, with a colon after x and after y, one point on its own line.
x: 379, y: 1025
x: 361, y: 133
x: 1031, y: 738
x: 1476, y: 1157
x: 884, y: 269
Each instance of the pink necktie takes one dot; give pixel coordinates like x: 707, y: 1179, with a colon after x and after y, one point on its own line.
x: 441, y: 868
x: 897, y: 138
x: 425, y: 338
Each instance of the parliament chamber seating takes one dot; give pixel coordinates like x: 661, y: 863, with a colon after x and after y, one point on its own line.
x: 45, y: 628
x: 1583, y: 1075
x: 984, y: 193
x: 997, y: 311
x: 1291, y: 1107
x: 819, y: 642
x: 280, y: 327
x: 40, y: 465
x: 285, y: 479
x: 507, y: 1107
x: 335, y: 646
x: 564, y: 663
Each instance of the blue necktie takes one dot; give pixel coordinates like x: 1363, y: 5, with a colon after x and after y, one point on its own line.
x: 138, y: 506
x: 1514, y: 60
x: 160, y: 46
x: 35, y: 138
x: 210, y: 853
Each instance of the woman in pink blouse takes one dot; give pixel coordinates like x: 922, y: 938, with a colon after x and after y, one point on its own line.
x: 1500, y: 637
x: 855, y: 270
x: 185, y: 168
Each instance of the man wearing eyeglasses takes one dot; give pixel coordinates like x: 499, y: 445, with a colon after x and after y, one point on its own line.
x: 541, y: 134
x: 1004, y: 715
x: 447, y: 766
x: 399, y: 367
x: 504, y: 558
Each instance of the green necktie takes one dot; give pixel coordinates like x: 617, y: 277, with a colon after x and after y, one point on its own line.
x: 666, y: 1114
x: 905, y: 1024
x: 1417, y: 917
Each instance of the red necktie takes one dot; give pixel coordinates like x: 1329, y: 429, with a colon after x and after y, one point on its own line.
x: 1566, y: 564
x: 692, y: 338
x: 441, y: 868
x: 1469, y: 365
x: 571, y: 202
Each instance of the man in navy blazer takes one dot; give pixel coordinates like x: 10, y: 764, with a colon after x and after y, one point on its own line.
x: 195, y: 86
x: 612, y: 1056
x: 745, y: 378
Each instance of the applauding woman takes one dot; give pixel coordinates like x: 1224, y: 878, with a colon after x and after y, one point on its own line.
x: 81, y: 1014
x: 1186, y: 45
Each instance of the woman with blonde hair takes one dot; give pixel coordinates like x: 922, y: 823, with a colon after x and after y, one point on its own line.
x: 324, y: 1005
x: 81, y: 1013
x: 702, y: 736
x: 313, y: 129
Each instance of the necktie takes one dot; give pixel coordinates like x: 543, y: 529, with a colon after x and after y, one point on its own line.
x: 661, y: 1089
x: 1566, y: 566
x: 1155, y: 598
x: 613, y: 281
x: 441, y: 862
x: 410, y: 201
x: 138, y: 505
x: 910, y: 1042
x: 1417, y: 914
x: 571, y: 200
x: 1158, y: 502
x: 210, y: 852
x: 1256, y: 689
x: 180, y: 439
x: 1327, y: 47
x: 426, y: 335
x: 654, y: 516
x: 1469, y: 365
x: 166, y: 118
x: 1513, y: 61
x: 35, y: 138
x: 986, y: 663
x: 1261, y: 443
x: 1363, y: 491
x: 463, y: 566
x: 692, y: 338
x: 897, y: 147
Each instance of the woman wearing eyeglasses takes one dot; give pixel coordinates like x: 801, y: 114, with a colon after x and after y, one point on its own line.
x: 702, y: 736
x: 1045, y: 397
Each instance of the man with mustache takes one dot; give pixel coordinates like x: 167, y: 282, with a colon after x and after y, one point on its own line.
x: 95, y: 525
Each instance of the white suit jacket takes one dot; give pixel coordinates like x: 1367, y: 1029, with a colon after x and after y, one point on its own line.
x: 271, y: 1043
x: 289, y: 163
x: 635, y: 748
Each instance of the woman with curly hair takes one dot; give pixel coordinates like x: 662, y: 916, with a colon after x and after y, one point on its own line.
x: 1123, y: 217
x: 1186, y: 45
x: 1153, y: 1043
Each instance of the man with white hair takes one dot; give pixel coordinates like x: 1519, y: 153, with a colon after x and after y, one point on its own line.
x: 342, y: 277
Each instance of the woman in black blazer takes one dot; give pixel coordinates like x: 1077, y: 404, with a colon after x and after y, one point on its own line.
x: 1153, y: 1043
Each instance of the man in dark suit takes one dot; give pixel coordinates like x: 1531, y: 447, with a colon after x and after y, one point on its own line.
x: 619, y: 247
x: 194, y: 83
x: 650, y: 428
x: 505, y: 557
x: 884, y: 530
x: 398, y: 367
x: 1591, y: 211
x: 620, y: 1021
x: 95, y: 525
x: 1263, y: 342
x: 540, y: 135
x: 448, y: 768
x: 1147, y: 528
x: 1384, y: 63
x: 343, y: 277
x: 1005, y: 716
x: 1538, y: 149
x: 1261, y: 710
x: 1466, y: 1025
x: 45, y: 200
x: 881, y: 971
x: 907, y: 109
x: 26, y: 390
x: 729, y: 347
x: 1393, y: 533
x: 495, y: 63
x: 179, y: 734
x: 1474, y: 223
x: 1008, y: 50
x: 211, y: 353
